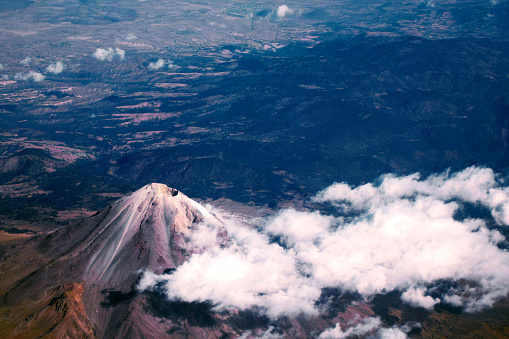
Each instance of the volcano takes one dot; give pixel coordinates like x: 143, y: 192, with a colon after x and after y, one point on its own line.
x: 87, y: 273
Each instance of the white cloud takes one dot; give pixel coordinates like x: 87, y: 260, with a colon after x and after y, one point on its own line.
x: 154, y: 66
x: 126, y: 38
x: 104, y: 54
x: 297, y: 227
x: 25, y: 61
x: 215, y: 24
x: 251, y: 272
x: 56, y: 68
x: 109, y: 54
x: 473, y: 185
x: 406, y: 235
x: 35, y: 76
x: 130, y: 37
x: 120, y: 53
x: 368, y: 325
x: 268, y: 334
x: 205, y: 237
x: 403, y: 234
x: 391, y: 333
x: 416, y: 297
x: 1, y: 67
x: 283, y: 10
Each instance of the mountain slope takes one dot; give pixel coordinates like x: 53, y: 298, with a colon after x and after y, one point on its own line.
x: 106, y: 255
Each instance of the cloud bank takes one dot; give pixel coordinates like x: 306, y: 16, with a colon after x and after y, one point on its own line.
x: 473, y: 185
x: 56, y: 68
x: 404, y: 233
x: 251, y: 272
x: 109, y: 54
